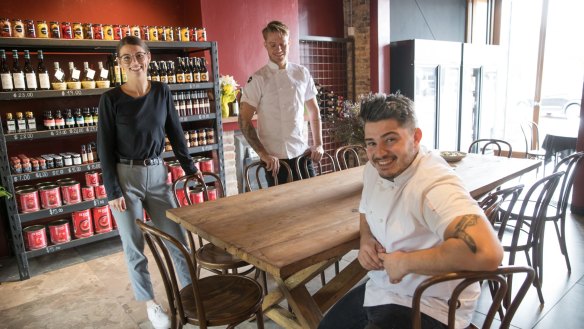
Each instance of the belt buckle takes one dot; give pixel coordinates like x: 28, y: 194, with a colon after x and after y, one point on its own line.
x: 148, y: 162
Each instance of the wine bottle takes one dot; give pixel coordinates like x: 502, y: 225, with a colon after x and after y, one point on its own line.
x: 29, y: 73
x: 17, y: 73
x: 43, y: 73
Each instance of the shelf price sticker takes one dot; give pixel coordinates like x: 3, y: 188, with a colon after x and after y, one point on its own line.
x: 71, y: 92
x: 23, y: 94
x: 55, y: 211
x: 99, y: 202
x: 22, y: 136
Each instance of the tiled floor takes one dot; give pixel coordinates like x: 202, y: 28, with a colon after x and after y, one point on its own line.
x: 88, y: 288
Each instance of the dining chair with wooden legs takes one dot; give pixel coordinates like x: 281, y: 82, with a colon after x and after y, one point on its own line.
x: 301, y: 165
x: 493, y: 201
x: 350, y: 156
x: 302, y: 172
x: 497, y: 146
x: 557, y: 209
x: 524, y: 232
x: 216, y: 300
x: 253, y: 171
x: 208, y: 256
x: 499, y: 278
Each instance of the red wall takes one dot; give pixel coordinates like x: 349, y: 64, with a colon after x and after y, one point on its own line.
x: 321, y: 18
x: 237, y: 26
x: 141, y: 12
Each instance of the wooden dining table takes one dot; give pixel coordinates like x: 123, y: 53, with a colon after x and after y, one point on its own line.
x: 296, y: 230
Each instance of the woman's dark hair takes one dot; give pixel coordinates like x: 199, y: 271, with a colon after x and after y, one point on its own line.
x: 134, y: 41
x: 393, y: 106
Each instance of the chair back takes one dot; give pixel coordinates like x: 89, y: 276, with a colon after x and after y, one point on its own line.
x: 492, y: 202
x: 157, y: 241
x: 350, y: 156
x: 183, y: 187
x: 485, y: 144
x: 302, y: 165
x: 256, y: 168
x: 530, y: 131
x: 499, y: 278
x: 568, y: 165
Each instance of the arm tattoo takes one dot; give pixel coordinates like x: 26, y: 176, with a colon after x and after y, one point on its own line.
x: 459, y: 232
x: 250, y: 134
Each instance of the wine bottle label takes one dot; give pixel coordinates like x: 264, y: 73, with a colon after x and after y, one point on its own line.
x: 31, y: 124
x: 59, y: 75
x: 31, y: 81
x: 90, y: 73
x: 6, y: 81
x: 104, y: 73
x: 18, y: 79
x: 44, y: 81
x: 11, y: 126
x: 75, y: 74
x: 102, y: 84
x: 155, y: 78
x: 88, y: 84
x: 21, y: 124
x: 204, y: 77
x: 59, y: 85
x: 171, y: 79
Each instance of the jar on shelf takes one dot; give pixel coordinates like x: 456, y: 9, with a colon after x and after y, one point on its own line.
x: 29, y: 28
x: 97, y: 31
x: 77, y: 31
x: 108, y: 32
x: 88, y: 31
x: 66, y: 30
x: 17, y: 28
x: 42, y: 29
x: 5, y: 28
x: 55, y: 30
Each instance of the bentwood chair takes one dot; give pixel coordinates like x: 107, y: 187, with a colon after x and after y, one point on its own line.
x: 257, y: 168
x: 350, y: 156
x: 208, y: 256
x: 215, y: 300
x: 493, y: 201
x: 557, y: 209
x: 301, y: 165
x: 524, y: 231
x: 499, y: 279
x: 302, y: 172
x: 487, y: 145
x: 530, y: 132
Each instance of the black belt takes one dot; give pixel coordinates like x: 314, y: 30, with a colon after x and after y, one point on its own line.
x: 144, y: 162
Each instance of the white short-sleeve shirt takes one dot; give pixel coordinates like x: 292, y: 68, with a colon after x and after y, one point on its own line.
x: 412, y: 213
x: 279, y: 97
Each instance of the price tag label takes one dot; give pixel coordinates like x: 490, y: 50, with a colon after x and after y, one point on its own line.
x: 59, y: 75
x: 72, y: 92
x: 75, y: 74
x: 55, y: 211
x: 104, y: 73
x: 23, y: 95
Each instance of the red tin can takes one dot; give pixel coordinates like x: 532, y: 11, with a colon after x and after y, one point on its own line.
x: 196, y: 195
x: 66, y: 30
x: 92, y: 178
x: 98, y: 31
x: 60, y: 231
x: 35, y: 237
x: 102, y: 220
x: 206, y: 164
x: 71, y: 192
x: 28, y: 200
x: 180, y: 194
x: 100, y: 192
x: 212, y: 191
x: 82, y: 227
x: 88, y: 193
x: 176, y: 170
x: 50, y: 196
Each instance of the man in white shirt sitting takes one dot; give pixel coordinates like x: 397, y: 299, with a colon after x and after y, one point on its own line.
x: 416, y: 220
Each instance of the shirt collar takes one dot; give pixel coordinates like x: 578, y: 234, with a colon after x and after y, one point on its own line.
x: 275, y: 66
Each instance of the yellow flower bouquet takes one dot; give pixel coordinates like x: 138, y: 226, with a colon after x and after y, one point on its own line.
x: 229, y: 93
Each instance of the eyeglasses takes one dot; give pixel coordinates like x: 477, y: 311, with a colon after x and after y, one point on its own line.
x: 140, y: 58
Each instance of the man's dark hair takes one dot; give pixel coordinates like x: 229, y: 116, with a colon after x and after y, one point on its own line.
x: 393, y: 106
x: 134, y: 41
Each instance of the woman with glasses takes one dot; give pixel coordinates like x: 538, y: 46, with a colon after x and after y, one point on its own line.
x: 133, y: 121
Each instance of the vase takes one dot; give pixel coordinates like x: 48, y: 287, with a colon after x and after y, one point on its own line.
x: 224, y: 109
